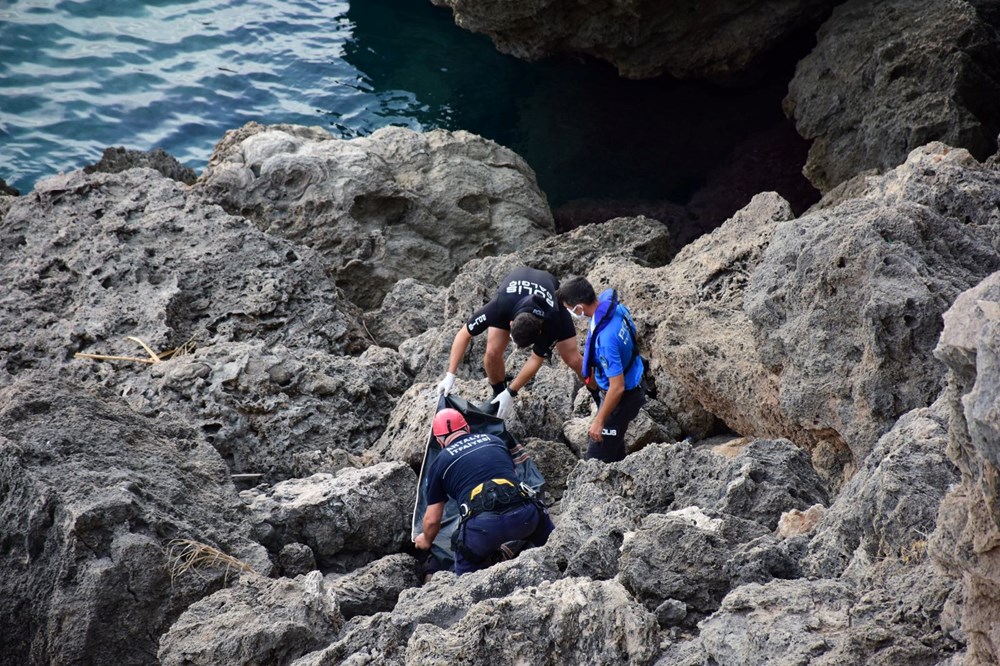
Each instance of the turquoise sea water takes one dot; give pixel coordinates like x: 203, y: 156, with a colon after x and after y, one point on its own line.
x: 77, y: 76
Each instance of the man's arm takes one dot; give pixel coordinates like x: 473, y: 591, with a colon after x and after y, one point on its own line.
x: 570, y: 354
x: 432, y: 525
x: 616, y: 390
x: 458, y: 347
x: 528, y: 371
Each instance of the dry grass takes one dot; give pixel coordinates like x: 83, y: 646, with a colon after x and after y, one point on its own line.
x: 185, y: 555
x: 183, y: 349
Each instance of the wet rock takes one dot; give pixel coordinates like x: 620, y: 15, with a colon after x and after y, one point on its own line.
x: 8, y: 191
x: 375, y: 588
x: 258, y: 620
x: 357, y: 510
x: 888, y: 77
x: 582, y: 621
x: 374, y: 206
x: 966, y: 542
x: 92, y: 497
x: 642, y: 40
x: 118, y: 159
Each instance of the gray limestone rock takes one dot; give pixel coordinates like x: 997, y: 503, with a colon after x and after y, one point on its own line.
x: 94, y: 259
x: 92, y: 497
x: 577, y: 621
x: 384, y: 207
x: 828, y: 622
x: 603, y: 503
x: 365, y: 640
x: 683, y: 556
x: 641, y: 39
x: 642, y: 240
x: 847, y: 303
x: 296, y: 559
x: 408, y: 309
x: 358, y: 511
x: 442, y: 602
x: 375, y: 587
x: 966, y: 542
x: 888, y: 77
x: 266, y: 408
x: 890, y: 506
x: 257, y: 621
x: 821, y: 329
x: 555, y: 460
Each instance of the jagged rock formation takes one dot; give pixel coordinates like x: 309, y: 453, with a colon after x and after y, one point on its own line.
x: 392, y: 205
x: 91, y: 497
x: 331, y: 514
x: 571, y: 621
x: 275, y: 621
x: 116, y: 160
x: 821, y: 329
x: 642, y: 39
x: 888, y: 77
x: 966, y: 541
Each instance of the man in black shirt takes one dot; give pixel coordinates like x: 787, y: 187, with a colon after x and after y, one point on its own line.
x: 524, y: 309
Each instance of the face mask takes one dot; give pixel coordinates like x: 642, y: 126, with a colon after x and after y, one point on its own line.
x: 575, y: 314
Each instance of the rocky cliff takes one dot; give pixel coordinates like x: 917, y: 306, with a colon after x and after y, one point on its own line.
x: 214, y: 394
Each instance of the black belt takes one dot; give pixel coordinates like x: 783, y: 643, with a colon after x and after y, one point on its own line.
x: 496, y: 496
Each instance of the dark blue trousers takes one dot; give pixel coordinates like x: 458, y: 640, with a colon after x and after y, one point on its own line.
x: 484, y: 533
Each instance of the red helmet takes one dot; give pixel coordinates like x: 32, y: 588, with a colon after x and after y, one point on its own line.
x: 447, y: 421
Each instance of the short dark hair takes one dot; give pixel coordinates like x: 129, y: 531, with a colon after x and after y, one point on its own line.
x: 576, y: 291
x: 525, y: 328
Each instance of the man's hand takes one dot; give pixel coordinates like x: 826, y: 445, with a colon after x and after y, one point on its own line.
x: 422, y: 542
x: 595, y: 432
x: 444, y: 388
x: 506, y: 402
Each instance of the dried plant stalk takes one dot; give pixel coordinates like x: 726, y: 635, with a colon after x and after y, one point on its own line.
x: 184, y: 555
x: 154, y: 358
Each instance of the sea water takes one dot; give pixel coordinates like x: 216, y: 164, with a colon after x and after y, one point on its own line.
x: 77, y: 76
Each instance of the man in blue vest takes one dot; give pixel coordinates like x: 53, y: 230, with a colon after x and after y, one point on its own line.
x: 476, y: 471
x: 611, y: 361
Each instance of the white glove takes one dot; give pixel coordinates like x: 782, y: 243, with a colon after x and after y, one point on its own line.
x: 506, y: 402
x: 444, y: 388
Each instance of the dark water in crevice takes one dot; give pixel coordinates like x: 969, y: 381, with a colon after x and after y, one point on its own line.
x: 77, y: 77
x: 589, y: 135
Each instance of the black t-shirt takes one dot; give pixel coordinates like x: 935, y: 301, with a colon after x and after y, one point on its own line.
x: 526, y: 290
x: 465, y: 463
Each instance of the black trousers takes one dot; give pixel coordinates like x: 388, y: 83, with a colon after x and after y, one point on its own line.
x: 612, y: 449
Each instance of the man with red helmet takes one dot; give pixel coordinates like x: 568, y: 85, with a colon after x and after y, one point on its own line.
x: 476, y: 470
